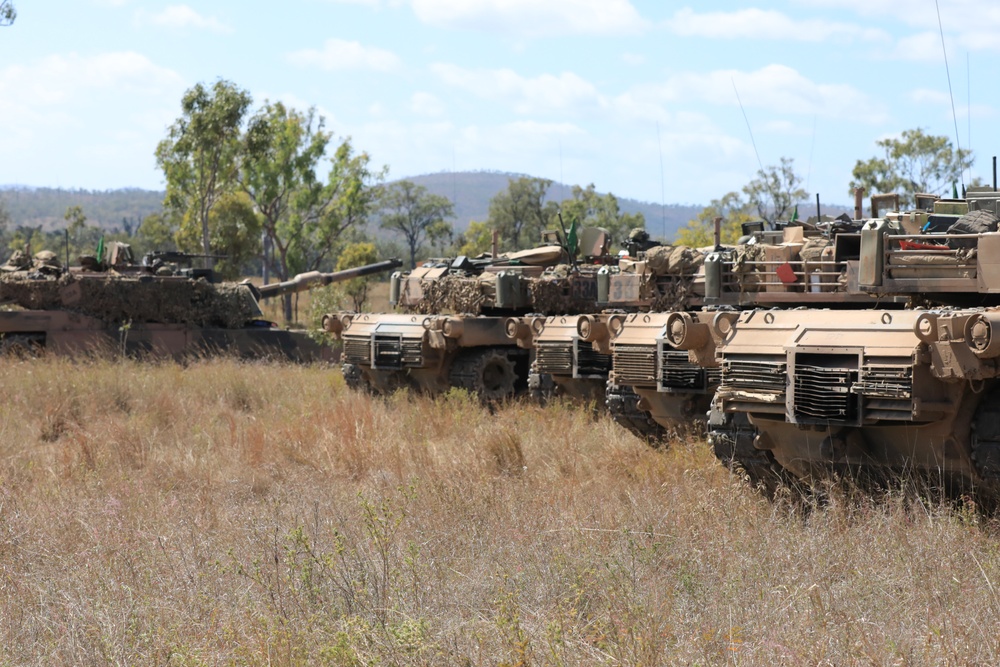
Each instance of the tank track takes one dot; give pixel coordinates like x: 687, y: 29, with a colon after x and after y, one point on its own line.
x: 986, y: 440
x: 354, y: 378
x: 731, y: 436
x: 541, y: 387
x: 623, y: 404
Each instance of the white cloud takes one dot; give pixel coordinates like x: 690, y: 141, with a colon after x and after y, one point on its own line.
x: 533, y: 18
x: 633, y: 59
x: 180, y: 17
x: 339, y: 54
x: 75, y: 110
x: 66, y: 79
x: 776, y: 88
x: 765, y: 24
x: 426, y: 104
x: 545, y: 93
x: 969, y: 25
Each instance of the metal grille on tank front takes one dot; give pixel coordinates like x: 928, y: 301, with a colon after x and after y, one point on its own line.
x: 678, y: 372
x: 887, y: 392
x: 754, y: 386
x: 411, y: 353
x: 357, y: 350
x: 554, y: 358
x: 590, y: 362
x: 760, y: 376
x: 824, y: 393
x: 635, y: 364
x: 387, y: 351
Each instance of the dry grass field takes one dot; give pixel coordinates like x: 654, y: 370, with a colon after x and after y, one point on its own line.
x: 239, y: 514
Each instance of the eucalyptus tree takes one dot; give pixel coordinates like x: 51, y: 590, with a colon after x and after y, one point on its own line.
x: 302, y: 214
x: 410, y: 210
x: 588, y: 208
x: 520, y: 212
x: 200, y: 155
x: 912, y: 163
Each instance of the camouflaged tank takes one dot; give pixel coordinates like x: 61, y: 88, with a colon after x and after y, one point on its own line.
x: 874, y: 394
x: 458, y: 320
x: 159, y: 308
x: 658, y: 379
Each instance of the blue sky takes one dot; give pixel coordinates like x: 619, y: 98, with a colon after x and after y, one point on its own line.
x: 582, y: 91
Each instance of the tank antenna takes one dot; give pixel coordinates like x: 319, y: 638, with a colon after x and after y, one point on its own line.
x: 753, y: 143
x: 951, y: 96
x: 663, y: 190
x: 968, y: 107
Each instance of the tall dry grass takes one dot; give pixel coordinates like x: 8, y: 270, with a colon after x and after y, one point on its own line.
x: 225, y: 513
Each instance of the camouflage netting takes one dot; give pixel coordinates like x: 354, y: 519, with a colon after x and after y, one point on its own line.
x: 115, y: 299
x: 673, y: 260
x: 671, y: 295
x: 554, y: 295
x: 455, y: 294
x: 746, y: 262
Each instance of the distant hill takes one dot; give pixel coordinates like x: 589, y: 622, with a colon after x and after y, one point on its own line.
x: 471, y: 191
x: 108, y: 209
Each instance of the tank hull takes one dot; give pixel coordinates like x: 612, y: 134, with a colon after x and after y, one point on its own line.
x: 873, y: 395
x: 71, y: 334
x: 431, y: 353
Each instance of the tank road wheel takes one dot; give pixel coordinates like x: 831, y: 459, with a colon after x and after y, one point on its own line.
x: 623, y: 405
x: 489, y: 374
x: 21, y: 346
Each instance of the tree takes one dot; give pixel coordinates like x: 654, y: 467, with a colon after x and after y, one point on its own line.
x: 234, y: 233
x: 733, y: 210
x: 354, y: 255
x: 475, y: 240
x: 589, y: 209
x: 409, y: 210
x: 303, y: 216
x: 157, y: 232
x: 775, y: 191
x: 199, y: 157
x: 913, y: 163
x: 7, y: 12
x: 519, y: 212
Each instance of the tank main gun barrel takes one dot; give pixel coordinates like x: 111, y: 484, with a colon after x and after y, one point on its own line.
x: 304, y: 281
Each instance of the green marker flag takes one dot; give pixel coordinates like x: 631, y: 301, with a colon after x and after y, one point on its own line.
x: 571, y: 240
x: 100, y: 250
x: 795, y: 213
x: 954, y: 190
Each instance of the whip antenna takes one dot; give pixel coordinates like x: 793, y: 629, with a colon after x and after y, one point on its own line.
x: 663, y: 191
x: 753, y: 143
x: 951, y: 96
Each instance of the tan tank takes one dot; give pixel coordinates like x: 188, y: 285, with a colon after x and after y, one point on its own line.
x: 431, y: 353
x: 159, y: 308
x: 571, y: 355
x: 456, y: 315
x: 873, y: 393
